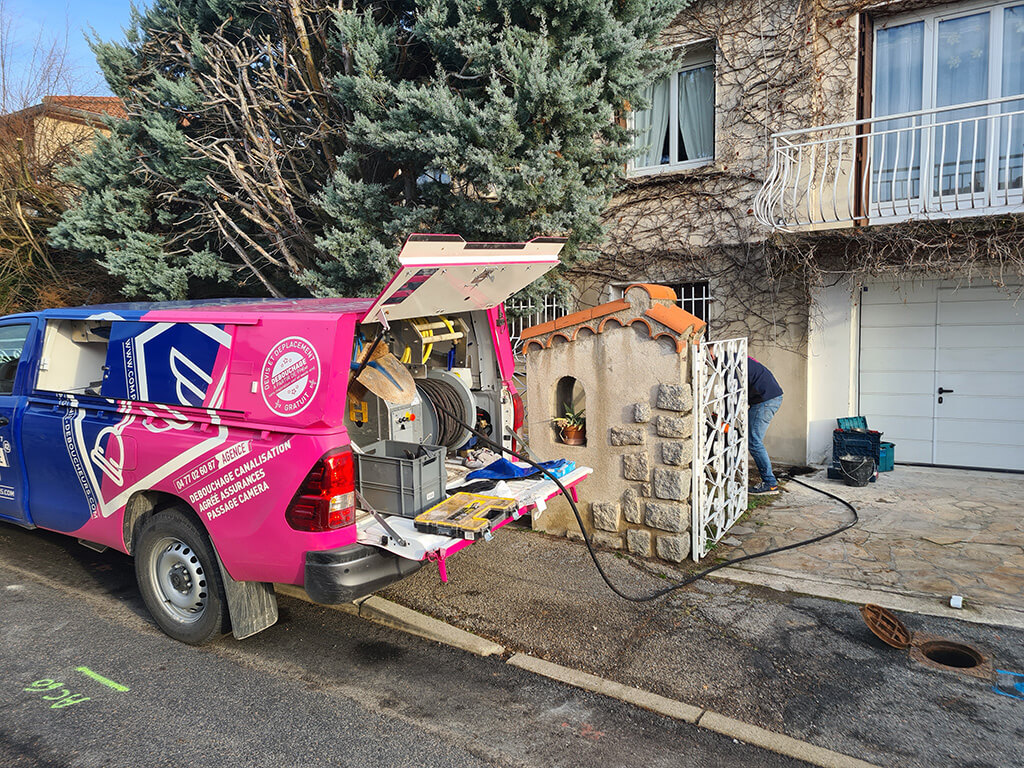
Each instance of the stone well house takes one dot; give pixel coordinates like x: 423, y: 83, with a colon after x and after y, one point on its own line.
x: 626, y: 363
x: 880, y: 143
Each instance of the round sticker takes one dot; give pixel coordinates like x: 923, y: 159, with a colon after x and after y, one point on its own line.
x: 290, y: 376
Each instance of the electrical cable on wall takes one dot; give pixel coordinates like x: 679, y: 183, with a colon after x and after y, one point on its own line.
x: 690, y: 579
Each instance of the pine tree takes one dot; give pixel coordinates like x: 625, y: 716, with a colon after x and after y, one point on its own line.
x: 293, y: 146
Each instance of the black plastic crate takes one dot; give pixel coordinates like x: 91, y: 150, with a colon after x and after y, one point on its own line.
x: 846, y: 443
x: 835, y: 472
x: 853, y: 443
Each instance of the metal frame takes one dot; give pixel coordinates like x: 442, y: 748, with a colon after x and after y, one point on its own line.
x: 526, y: 313
x: 720, y: 473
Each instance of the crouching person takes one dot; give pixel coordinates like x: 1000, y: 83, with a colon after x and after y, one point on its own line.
x: 764, y: 398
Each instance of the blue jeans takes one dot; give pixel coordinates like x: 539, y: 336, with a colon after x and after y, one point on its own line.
x: 760, y: 416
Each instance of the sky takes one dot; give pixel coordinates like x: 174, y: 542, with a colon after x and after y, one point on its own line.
x: 51, y: 18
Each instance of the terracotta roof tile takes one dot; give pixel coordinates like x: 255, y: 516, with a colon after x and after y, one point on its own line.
x: 676, y: 318
x: 576, y: 318
x: 537, y: 330
x: 682, y: 326
x: 610, y: 308
x: 655, y: 291
x: 97, y: 105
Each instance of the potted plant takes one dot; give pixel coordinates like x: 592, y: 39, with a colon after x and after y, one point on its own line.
x: 572, y: 426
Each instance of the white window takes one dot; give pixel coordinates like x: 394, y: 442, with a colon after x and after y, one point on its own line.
x: 678, y: 130
x: 924, y: 62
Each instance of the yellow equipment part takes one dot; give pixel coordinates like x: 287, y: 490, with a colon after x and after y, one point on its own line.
x: 358, y: 411
x: 425, y: 330
x: 465, y: 513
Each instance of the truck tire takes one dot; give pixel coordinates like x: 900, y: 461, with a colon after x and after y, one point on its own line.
x: 179, y: 578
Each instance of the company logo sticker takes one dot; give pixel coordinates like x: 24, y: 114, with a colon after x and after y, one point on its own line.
x: 290, y: 376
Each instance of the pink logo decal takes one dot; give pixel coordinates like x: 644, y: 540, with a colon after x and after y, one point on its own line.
x: 290, y: 376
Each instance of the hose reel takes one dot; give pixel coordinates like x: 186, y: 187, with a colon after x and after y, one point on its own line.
x: 452, y: 396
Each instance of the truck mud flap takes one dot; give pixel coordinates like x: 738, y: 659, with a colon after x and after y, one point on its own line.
x: 252, y: 605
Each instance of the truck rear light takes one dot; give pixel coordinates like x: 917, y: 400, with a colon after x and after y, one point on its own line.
x: 518, y: 416
x: 518, y: 412
x: 326, y: 499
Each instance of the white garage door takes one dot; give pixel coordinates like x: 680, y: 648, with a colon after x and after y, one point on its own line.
x: 942, y: 373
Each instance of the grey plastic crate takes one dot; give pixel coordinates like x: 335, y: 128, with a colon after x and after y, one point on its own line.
x: 401, y: 478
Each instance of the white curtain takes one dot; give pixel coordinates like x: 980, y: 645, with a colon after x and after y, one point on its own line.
x: 961, y: 76
x: 697, y: 113
x: 899, y: 78
x: 652, y: 126
x: 1011, y: 144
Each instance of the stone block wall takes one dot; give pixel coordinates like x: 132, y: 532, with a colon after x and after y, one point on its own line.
x: 634, y: 371
x: 651, y: 516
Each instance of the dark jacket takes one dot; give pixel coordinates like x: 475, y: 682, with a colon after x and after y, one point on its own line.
x: 761, y: 385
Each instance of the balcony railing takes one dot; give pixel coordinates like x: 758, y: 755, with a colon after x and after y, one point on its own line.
x: 940, y: 163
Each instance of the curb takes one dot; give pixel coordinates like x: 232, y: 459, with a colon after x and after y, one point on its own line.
x: 415, y: 623
x: 702, y: 718
x: 785, y: 581
x: 396, y: 616
x: 661, y: 705
x: 381, y: 611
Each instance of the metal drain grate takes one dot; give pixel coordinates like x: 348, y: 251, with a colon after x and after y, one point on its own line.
x: 889, y: 629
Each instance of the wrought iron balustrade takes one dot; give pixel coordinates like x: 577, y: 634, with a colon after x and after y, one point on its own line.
x: 960, y: 160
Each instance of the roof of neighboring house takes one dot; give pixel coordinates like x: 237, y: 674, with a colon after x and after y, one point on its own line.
x: 97, y: 105
x: 652, y: 306
x: 86, y: 110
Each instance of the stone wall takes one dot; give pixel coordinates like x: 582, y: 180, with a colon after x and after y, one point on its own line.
x: 652, y: 515
x: 635, y: 374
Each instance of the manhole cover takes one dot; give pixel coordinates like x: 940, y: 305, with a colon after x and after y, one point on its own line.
x: 886, y: 626
x: 935, y: 652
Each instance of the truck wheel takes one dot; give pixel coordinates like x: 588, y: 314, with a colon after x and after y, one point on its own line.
x: 179, y: 578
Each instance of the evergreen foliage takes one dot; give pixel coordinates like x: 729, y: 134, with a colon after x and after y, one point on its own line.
x: 292, y: 146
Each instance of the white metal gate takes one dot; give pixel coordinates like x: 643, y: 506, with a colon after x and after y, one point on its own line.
x: 524, y: 313
x: 719, y: 496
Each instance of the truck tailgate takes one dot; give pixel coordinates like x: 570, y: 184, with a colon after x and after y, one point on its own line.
x: 531, y: 495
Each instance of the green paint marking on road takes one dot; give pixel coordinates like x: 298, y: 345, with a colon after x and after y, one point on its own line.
x: 101, y: 679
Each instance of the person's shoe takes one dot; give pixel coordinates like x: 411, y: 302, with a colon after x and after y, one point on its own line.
x: 763, y: 490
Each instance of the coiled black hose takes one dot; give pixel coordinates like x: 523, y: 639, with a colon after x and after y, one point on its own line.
x: 446, y: 403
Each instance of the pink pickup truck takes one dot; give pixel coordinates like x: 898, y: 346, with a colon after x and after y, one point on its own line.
x: 229, y: 445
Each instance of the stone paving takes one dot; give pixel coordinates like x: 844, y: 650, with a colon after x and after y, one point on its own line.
x: 923, y: 532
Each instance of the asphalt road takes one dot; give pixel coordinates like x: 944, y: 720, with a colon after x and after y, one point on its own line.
x: 798, y: 665
x: 87, y: 679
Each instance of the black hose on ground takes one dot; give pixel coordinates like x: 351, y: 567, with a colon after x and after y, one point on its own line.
x: 690, y: 579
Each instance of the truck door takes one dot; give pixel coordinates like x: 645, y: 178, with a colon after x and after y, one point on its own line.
x: 442, y: 274
x: 13, y: 381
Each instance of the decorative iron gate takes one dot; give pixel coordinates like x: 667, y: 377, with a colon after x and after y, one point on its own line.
x: 719, y: 494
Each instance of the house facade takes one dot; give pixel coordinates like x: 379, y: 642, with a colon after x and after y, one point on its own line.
x: 841, y: 182
x: 60, y: 122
